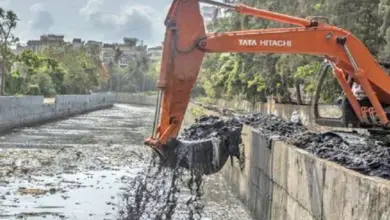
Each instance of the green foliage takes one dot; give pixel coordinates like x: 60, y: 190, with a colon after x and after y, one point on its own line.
x: 33, y: 89
x: 8, y: 23
x: 197, y: 111
x: 141, y: 73
x: 44, y: 83
x: 61, y: 70
x: 306, y: 74
x: 206, y: 100
x: 67, y: 70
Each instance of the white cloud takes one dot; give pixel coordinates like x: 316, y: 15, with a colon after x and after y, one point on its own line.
x: 103, y: 20
x: 37, y: 7
x: 5, y: 4
x: 42, y: 19
x: 132, y: 20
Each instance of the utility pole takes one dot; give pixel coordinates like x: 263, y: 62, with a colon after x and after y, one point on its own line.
x: 1, y: 78
x: 143, y: 82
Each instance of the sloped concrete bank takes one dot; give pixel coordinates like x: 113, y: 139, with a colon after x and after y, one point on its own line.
x: 280, y: 181
x: 32, y: 110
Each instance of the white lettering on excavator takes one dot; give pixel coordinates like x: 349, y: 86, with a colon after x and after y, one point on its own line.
x: 265, y: 43
x: 276, y: 43
x: 244, y: 42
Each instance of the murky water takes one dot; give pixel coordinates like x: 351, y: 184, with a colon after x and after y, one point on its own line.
x: 77, y: 168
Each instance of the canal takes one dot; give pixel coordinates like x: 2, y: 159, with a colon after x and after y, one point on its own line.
x: 78, y: 168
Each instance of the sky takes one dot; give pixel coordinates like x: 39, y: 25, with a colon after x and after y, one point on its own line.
x: 101, y: 20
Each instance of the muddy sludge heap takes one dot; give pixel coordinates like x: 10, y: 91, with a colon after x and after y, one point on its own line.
x: 207, y: 144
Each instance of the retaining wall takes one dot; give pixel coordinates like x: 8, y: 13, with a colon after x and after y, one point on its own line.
x: 30, y: 110
x: 278, y: 181
x: 136, y: 98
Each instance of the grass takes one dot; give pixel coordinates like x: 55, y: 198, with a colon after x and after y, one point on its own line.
x: 197, y: 111
x: 205, y: 100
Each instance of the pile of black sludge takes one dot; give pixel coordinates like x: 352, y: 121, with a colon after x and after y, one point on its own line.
x: 201, y: 149
x: 361, y: 153
x: 368, y: 155
x: 272, y: 126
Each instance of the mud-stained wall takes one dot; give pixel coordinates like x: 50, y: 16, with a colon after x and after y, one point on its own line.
x: 277, y: 181
x: 280, y: 181
x: 30, y: 110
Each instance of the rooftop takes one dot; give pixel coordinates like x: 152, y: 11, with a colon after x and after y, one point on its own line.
x: 77, y: 40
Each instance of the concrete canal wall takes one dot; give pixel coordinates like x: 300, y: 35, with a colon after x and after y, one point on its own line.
x: 136, y: 98
x: 31, y: 110
x: 281, y: 182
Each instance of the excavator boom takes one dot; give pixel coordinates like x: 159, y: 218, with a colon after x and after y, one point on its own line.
x: 186, y: 43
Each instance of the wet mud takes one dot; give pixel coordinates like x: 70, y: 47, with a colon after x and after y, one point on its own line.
x: 369, y: 155
x: 361, y: 153
x: 90, y: 167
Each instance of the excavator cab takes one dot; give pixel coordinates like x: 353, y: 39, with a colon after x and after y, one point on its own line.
x: 341, y: 107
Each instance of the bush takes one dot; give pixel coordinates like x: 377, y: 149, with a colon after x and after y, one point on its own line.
x: 197, y: 111
x: 150, y: 93
x: 205, y: 100
x: 45, y: 83
x: 33, y: 89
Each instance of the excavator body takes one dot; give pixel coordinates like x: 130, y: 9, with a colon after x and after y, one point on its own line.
x: 186, y: 43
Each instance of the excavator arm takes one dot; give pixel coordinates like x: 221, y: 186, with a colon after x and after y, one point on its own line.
x: 186, y: 43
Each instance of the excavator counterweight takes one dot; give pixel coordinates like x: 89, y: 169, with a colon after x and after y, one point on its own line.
x: 186, y: 43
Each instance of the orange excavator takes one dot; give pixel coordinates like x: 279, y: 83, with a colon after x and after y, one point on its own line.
x: 186, y: 43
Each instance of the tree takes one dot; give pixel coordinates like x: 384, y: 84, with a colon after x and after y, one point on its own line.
x: 8, y: 21
x: 131, y: 41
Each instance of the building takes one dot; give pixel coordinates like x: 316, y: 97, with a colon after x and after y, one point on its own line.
x: 92, y: 43
x: 208, y: 13
x: 94, y: 48
x: 45, y: 41
x: 127, y: 54
x: 77, y: 43
x: 107, y: 53
x: 20, y: 48
x: 155, y: 53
